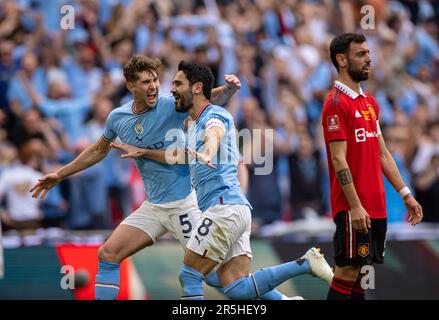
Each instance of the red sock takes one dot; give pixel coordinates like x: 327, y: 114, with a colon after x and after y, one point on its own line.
x: 340, y: 289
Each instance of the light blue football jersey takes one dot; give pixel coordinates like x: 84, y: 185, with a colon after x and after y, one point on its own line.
x: 220, y: 185
x: 157, y: 128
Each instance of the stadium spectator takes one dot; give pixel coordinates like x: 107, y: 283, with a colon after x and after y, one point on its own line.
x: 30, y: 75
x: 116, y: 170
x: 305, y: 178
x: 267, y: 207
x: 21, y: 212
x: 426, y: 169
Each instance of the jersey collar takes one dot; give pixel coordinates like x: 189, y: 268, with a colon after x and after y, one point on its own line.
x: 142, y: 112
x: 348, y: 91
x: 201, y: 111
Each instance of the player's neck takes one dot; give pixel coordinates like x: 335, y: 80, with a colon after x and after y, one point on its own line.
x: 140, y: 106
x: 198, y: 106
x: 347, y: 80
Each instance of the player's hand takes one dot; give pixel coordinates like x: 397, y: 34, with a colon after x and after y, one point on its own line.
x: 44, y: 184
x: 130, y: 151
x: 232, y: 82
x: 414, y: 210
x: 200, y: 157
x: 360, y: 220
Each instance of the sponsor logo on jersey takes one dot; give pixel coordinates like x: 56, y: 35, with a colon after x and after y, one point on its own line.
x: 361, y: 135
x: 333, y: 123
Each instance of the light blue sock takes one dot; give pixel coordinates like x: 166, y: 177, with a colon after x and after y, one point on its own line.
x: 191, y: 283
x: 212, y: 280
x: 265, y: 280
x: 107, y: 281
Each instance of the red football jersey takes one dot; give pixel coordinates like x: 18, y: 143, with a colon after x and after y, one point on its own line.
x: 353, y: 117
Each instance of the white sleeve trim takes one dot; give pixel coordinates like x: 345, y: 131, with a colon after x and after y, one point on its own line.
x: 215, y: 123
x: 378, y: 128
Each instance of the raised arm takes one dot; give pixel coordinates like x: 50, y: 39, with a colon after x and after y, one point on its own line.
x: 221, y: 95
x: 392, y: 174
x: 359, y: 216
x: 90, y: 156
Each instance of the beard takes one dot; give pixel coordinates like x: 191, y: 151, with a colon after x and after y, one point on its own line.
x: 357, y: 75
x: 184, y: 103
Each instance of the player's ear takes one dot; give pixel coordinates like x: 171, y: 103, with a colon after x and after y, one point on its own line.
x: 130, y: 86
x: 197, y: 88
x: 341, y: 60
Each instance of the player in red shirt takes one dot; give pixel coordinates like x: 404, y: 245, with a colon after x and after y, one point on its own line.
x: 357, y: 158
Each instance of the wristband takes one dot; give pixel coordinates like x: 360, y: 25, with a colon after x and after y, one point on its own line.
x: 229, y: 90
x: 404, y: 192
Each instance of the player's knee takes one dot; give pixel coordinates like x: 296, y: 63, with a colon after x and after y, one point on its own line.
x: 108, y: 254
x: 347, y: 273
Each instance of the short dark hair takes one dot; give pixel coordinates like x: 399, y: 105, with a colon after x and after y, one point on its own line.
x: 196, y: 72
x: 341, y: 43
x: 25, y: 152
x: 137, y: 64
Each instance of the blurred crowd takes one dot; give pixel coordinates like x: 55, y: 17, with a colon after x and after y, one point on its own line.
x: 58, y: 85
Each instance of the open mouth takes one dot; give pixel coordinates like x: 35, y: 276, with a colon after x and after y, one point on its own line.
x: 176, y: 97
x: 366, y: 68
x: 151, y: 97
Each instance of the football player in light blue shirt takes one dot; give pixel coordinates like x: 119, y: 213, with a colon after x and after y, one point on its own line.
x: 171, y: 205
x: 222, y: 236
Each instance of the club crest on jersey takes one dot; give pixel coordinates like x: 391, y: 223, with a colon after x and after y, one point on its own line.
x: 333, y: 123
x: 138, y: 128
x: 372, y: 112
x: 366, y: 115
x: 363, y: 249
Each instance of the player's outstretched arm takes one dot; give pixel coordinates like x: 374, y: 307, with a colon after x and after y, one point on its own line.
x: 221, y: 95
x: 212, y: 142
x: 390, y: 170
x: 360, y: 218
x: 168, y: 156
x: 90, y: 156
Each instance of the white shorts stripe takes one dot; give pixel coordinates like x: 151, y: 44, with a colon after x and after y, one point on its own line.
x: 350, y: 236
x: 106, y: 285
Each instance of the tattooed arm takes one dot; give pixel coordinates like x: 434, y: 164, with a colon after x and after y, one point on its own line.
x: 359, y: 216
